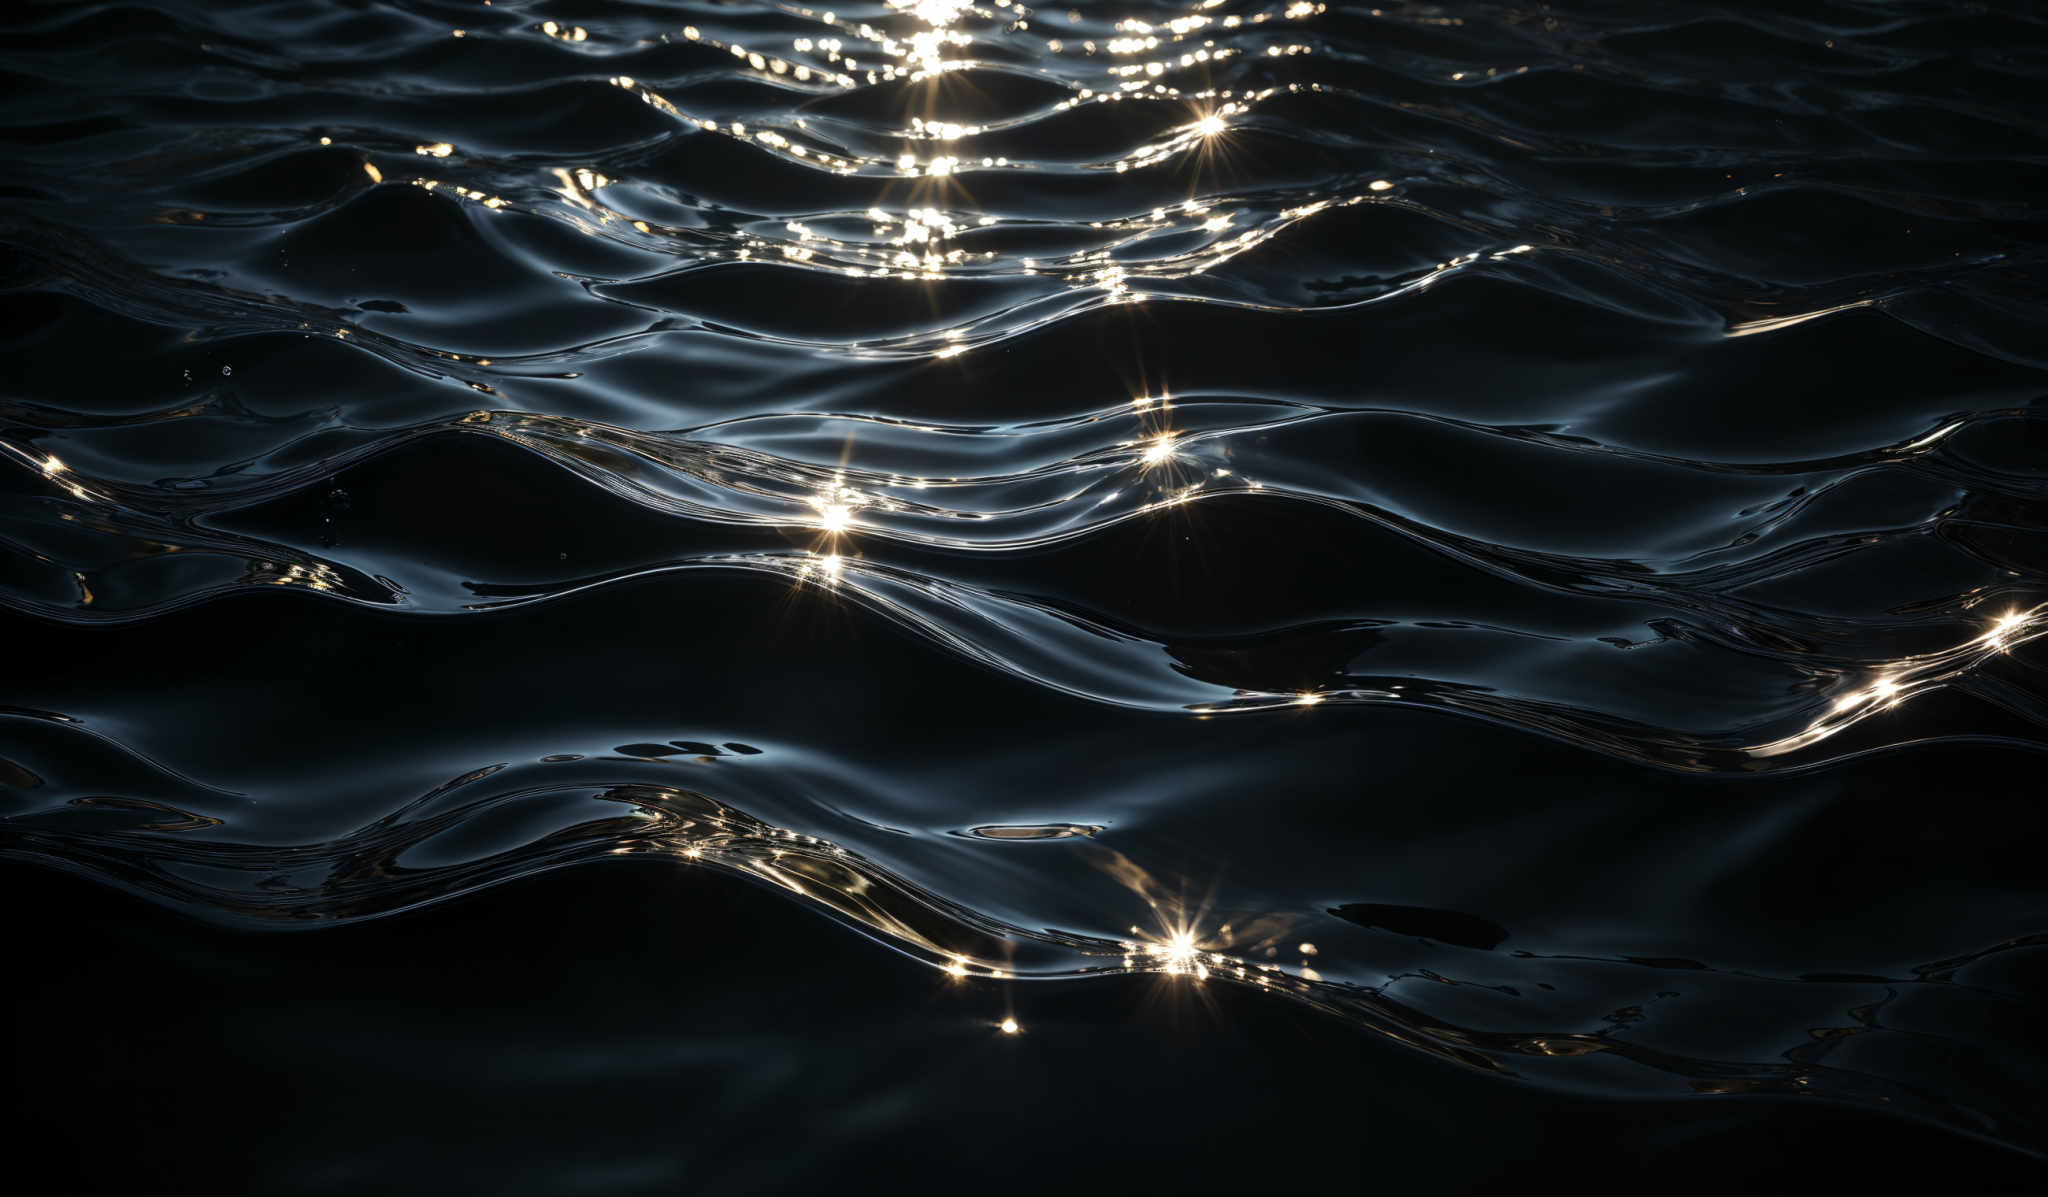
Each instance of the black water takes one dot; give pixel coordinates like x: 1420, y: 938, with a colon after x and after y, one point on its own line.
x: 1423, y: 595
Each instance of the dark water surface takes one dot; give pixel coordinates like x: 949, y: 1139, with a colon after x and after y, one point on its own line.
x: 1415, y: 594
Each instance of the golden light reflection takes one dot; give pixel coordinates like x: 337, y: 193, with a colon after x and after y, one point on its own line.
x: 469, y: 193
x: 703, y: 830
x: 825, y: 569
x: 2006, y: 628
x: 1902, y: 680
x: 53, y: 468
x: 962, y: 946
x: 1774, y: 323
x: 1161, y: 449
x: 1180, y: 950
x: 1179, y: 954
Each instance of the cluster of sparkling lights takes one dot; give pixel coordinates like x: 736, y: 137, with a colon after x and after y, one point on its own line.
x: 1181, y: 951
x: 1162, y: 62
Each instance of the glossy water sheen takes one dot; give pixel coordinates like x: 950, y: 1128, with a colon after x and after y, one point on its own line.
x: 1520, y: 528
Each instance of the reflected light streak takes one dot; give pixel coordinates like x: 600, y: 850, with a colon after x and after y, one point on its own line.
x: 1907, y: 678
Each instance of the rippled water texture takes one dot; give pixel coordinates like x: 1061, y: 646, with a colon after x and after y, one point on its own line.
x: 1522, y: 528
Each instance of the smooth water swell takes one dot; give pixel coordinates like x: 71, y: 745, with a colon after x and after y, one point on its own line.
x: 1667, y: 387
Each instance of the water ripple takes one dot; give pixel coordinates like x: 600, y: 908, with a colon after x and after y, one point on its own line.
x: 1668, y: 385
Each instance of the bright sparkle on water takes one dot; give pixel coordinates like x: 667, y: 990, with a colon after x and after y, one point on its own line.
x: 1164, y: 448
